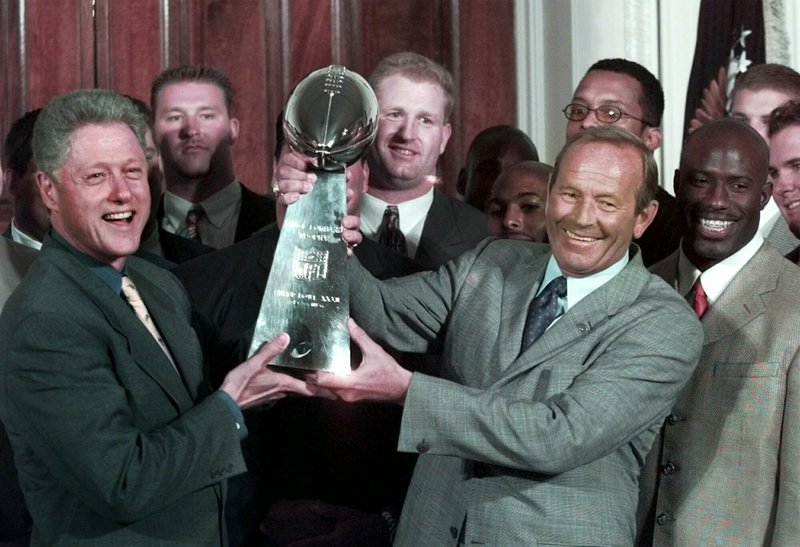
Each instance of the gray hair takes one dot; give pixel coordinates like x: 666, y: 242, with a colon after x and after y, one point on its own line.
x: 65, y: 114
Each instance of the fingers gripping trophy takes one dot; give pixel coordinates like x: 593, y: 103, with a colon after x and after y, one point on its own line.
x: 332, y: 116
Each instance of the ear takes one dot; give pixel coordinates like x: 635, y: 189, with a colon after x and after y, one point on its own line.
x: 652, y: 137
x: 48, y: 191
x: 644, y: 219
x: 234, y: 124
x: 676, y: 181
x: 446, y: 131
x: 766, y: 193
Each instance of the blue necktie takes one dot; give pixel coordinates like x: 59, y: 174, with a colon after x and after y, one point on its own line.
x: 543, y: 310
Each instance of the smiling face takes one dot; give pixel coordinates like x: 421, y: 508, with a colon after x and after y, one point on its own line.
x: 101, y: 201
x: 412, y: 134
x: 591, y: 207
x: 606, y: 88
x: 194, y: 132
x: 721, y: 187
x: 516, y: 206
x: 784, y: 167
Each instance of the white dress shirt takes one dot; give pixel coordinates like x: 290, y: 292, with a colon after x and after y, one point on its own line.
x: 412, y: 218
x: 217, y: 226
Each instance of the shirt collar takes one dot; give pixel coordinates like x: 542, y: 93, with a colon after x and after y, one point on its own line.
x: 24, y: 239
x: 411, y: 212
x: 217, y: 208
x: 579, y: 288
x: 717, y: 278
x: 105, y: 272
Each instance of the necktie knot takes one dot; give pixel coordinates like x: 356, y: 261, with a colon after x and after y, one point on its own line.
x: 193, y: 216
x: 699, y: 299
x: 544, y: 309
x: 389, y: 233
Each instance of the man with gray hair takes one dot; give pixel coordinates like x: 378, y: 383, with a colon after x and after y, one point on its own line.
x: 116, y: 437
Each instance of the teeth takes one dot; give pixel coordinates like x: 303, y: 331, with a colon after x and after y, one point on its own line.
x: 118, y: 216
x: 573, y: 235
x: 715, y: 225
x: 792, y: 205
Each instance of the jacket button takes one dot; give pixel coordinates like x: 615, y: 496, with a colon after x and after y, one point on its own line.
x: 454, y: 532
x: 674, y: 419
x: 669, y: 468
x: 583, y: 328
x: 664, y: 518
x: 423, y: 446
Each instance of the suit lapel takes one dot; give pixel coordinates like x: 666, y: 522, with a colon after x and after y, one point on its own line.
x: 742, y: 300
x: 439, y: 234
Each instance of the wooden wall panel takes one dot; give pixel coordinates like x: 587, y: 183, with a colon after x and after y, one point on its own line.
x: 128, y: 46
x: 265, y: 47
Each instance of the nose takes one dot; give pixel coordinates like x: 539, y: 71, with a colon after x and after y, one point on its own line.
x: 512, y: 221
x: 719, y: 197
x: 120, y: 188
x: 590, y: 120
x: 190, y: 126
x: 584, y: 212
x: 408, y: 129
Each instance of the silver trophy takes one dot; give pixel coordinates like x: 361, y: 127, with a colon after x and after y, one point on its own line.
x: 331, y: 115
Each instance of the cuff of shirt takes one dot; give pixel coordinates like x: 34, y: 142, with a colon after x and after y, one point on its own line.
x: 238, y: 417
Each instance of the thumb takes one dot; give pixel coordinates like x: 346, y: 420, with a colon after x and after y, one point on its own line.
x: 270, y: 350
x: 359, y: 336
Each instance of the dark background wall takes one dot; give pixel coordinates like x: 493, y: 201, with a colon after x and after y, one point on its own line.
x: 49, y: 47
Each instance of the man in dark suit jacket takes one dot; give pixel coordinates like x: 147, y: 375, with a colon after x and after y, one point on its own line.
x: 341, y: 455
x: 626, y: 94
x: 415, y: 98
x: 194, y: 131
x: 525, y: 440
x: 117, y: 440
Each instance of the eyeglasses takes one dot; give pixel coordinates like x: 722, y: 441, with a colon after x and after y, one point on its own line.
x: 604, y: 114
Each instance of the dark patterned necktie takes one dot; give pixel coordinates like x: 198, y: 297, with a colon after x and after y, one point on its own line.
x: 389, y: 233
x: 192, y: 218
x: 544, y: 309
x: 699, y: 299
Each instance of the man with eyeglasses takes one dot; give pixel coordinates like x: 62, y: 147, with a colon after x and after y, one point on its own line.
x: 624, y: 93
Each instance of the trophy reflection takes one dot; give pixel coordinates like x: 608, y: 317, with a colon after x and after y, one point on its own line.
x: 331, y: 115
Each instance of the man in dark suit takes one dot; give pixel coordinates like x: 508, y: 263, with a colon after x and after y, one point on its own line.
x: 204, y: 207
x: 116, y: 437
x: 341, y: 456
x: 560, y: 363
x: 415, y: 98
x: 626, y: 94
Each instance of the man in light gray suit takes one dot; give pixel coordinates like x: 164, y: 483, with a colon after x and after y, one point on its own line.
x: 526, y: 440
x: 725, y: 469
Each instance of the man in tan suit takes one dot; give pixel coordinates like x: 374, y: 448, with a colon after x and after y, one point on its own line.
x: 725, y: 469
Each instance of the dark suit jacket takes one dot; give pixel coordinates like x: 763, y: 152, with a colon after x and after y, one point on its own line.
x: 112, y: 446
x: 257, y: 211
x: 300, y: 448
x: 541, y: 447
x: 662, y: 236
x: 451, y: 228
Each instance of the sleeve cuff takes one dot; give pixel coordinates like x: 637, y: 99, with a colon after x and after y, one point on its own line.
x: 238, y: 417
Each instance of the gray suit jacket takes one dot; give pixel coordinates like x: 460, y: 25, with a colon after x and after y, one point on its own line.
x: 543, y: 447
x: 112, y: 446
x: 734, y: 436
x: 14, y: 262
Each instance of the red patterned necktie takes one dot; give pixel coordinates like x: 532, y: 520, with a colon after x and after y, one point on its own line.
x: 699, y: 299
x: 192, y: 218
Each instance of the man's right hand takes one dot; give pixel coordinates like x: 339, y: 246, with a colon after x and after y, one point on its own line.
x: 253, y: 382
x: 294, y: 176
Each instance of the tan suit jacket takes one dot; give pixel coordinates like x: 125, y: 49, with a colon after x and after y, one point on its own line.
x: 725, y: 470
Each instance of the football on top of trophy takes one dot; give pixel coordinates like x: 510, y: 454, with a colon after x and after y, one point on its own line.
x: 331, y: 115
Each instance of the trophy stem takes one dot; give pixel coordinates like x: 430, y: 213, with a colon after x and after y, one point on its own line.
x: 307, y: 290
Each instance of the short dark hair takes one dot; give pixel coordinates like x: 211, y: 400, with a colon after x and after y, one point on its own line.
x: 785, y: 115
x: 768, y: 76
x: 192, y: 73
x: 144, y: 110
x: 18, y: 148
x: 419, y: 68
x: 621, y: 138
x: 651, y: 97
